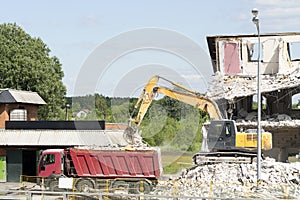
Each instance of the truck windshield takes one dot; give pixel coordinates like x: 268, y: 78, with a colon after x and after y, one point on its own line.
x: 48, y: 159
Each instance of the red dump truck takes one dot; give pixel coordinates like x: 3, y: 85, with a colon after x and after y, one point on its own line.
x: 132, y: 169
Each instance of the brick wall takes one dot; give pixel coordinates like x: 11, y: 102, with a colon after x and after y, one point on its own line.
x: 32, y: 112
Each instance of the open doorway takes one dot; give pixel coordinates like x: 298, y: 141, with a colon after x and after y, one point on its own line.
x: 29, y: 162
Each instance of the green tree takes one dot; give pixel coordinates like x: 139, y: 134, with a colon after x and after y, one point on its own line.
x: 25, y: 64
x: 120, y: 110
x: 172, y: 106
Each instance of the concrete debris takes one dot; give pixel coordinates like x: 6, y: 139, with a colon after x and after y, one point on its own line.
x: 251, y: 116
x: 230, y: 87
x: 274, y: 121
x: 229, y: 180
x: 284, y: 117
x: 242, y: 113
x: 270, y: 124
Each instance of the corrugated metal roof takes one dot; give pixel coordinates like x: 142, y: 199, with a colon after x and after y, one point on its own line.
x: 19, y: 96
x: 61, y: 138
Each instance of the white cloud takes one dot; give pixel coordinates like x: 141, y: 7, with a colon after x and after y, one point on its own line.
x: 193, y: 76
x: 282, y: 12
x: 278, y: 3
x: 90, y: 20
x: 278, y: 15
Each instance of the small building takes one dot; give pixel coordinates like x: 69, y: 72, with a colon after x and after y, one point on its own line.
x: 82, y: 114
x: 17, y: 105
x: 19, y: 149
x: 23, y: 136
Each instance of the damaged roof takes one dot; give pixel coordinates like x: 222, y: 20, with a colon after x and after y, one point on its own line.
x: 235, y: 64
x: 231, y: 87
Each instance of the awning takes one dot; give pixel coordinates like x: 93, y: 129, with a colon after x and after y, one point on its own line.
x: 61, y: 137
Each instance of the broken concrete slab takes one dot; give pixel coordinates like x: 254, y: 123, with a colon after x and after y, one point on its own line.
x: 232, y: 180
x: 230, y: 87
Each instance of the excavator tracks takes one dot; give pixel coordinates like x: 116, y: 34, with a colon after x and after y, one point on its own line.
x: 224, y: 156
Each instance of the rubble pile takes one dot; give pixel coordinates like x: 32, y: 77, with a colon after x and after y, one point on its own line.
x: 240, y: 86
x: 227, y: 88
x: 274, y: 122
x: 229, y: 180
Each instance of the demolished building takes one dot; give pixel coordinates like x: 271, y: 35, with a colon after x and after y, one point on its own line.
x: 234, y: 85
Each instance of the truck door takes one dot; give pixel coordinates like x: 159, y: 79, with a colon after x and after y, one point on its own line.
x: 49, y: 164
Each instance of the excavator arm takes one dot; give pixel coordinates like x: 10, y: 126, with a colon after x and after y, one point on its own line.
x: 198, y: 101
x: 188, y: 96
x: 185, y: 95
x: 145, y: 99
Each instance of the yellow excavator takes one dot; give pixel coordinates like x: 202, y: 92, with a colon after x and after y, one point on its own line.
x: 221, y: 140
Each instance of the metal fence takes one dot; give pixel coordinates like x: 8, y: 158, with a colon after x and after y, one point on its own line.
x: 169, y: 189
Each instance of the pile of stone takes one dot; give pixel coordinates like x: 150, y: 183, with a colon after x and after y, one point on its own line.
x: 274, y: 121
x: 229, y: 180
x: 252, y: 116
x: 230, y: 87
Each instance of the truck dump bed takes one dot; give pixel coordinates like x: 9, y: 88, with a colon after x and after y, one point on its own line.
x: 117, y: 163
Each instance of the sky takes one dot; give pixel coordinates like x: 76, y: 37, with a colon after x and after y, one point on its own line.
x: 114, y: 47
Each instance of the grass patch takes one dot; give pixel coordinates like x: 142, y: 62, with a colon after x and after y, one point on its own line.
x: 293, y: 159
x: 174, y: 162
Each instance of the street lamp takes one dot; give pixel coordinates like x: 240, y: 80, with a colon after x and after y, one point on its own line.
x: 255, y: 20
x: 67, y: 113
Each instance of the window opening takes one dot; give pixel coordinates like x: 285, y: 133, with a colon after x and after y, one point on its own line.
x: 253, y: 52
x: 294, y: 51
x: 255, y: 104
x: 228, y: 130
x: 296, y: 102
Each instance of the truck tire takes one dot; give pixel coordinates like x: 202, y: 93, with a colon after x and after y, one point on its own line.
x: 84, y: 185
x: 120, y: 186
x: 141, y: 187
x: 53, y: 186
x: 52, y: 181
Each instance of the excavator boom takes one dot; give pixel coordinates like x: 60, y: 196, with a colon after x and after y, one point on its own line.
x: 198, y: 101
x: 188, y: 96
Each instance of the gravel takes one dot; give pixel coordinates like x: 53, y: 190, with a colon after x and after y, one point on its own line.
x: 231, y: 180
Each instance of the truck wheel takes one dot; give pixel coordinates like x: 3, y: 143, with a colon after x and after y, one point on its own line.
x: 119, y: 184
x: 120, y: 188
x: 53, y: 186
x: 139, y: 187
x: 84, y: 185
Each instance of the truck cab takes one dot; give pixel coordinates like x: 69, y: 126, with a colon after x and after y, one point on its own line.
x: 51, y: 162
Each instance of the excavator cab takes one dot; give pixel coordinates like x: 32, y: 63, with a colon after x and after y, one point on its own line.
x: 221, y: 135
